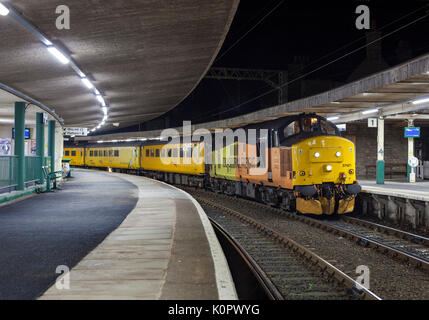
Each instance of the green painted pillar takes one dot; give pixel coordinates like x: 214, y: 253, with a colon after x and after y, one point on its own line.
x: 380, y: 151
x: 51, y: 143
x: 20, y: 143
x: 40, y: 143
x: 380, y: 172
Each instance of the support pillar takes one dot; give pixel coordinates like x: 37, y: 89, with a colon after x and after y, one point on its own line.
x: 411, y: 176
x: 380, y: 151
x: 51, y: 143
x: 40, y: 143
x: 20, y: 143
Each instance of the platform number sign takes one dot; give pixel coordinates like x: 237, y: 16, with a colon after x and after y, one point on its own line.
x: 372, y: 122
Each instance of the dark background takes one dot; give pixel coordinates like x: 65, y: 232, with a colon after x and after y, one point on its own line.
x: 299, y: 37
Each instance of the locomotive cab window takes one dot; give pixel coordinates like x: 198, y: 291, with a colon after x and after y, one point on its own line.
x: 66, y: 153
x: 116, y: 153
x: 292, y: 129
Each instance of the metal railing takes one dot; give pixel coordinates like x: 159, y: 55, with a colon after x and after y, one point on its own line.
x: 8, y: 172
x: 32, y: 169
x: 48, y: 162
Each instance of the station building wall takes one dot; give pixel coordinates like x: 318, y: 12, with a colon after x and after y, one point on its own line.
x: 365, y: 139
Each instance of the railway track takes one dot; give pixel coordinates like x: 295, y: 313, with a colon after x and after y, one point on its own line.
x: 404, y: 246
x: 398, y: 243
x: 294, y: 270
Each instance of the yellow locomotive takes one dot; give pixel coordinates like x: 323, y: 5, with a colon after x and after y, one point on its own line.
x: 308, y: 166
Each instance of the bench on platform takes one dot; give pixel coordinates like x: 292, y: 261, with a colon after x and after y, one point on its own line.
x: 390, y: 169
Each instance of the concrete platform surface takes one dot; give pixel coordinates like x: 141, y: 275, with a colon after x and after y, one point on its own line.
x: 164, y: 249
x: 416, y: 191
x: 42, y: 232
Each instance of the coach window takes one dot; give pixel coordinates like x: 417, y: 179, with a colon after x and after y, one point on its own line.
x: 169, y: 153
x: 157, y: 153
x: 152, y: 153
x: 110, y: 153
x: 91, y: 153
x: 181, y: 152
x: 189, y: 152
x: 116, y: 153
x: 96, y: 153
x: 175, y: 153
x: 147, y: 152
x: 163, y: 153
x: 105, y: 153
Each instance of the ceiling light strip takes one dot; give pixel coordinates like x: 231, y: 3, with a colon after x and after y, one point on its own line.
x: 6, y: 9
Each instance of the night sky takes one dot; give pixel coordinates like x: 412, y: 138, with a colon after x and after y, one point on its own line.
x: 317, y: 32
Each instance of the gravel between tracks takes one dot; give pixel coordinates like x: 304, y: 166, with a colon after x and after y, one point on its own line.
x: 389, y: 279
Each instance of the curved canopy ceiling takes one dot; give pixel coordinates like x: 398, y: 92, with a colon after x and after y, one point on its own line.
x: 145, y: 56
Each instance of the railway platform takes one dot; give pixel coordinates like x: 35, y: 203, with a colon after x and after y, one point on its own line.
x: 398, y: 201
x: 397, y: 188
x: 120, y: 236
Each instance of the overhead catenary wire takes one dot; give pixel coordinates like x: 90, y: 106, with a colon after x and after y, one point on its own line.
x: 250, y: 30
x: 323, y: 66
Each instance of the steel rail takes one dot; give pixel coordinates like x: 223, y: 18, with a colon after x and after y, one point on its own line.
x: 310, y: 257
x: 415, y: 238
x: 269, y: 288
x: 396, y: 253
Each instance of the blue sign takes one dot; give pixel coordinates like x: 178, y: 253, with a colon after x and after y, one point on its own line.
x: 412, y: 132
x: 27, y: 133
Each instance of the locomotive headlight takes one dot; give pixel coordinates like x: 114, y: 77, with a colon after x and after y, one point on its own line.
x: 328, y: 168
x: 316, y: 154
x: 338, y: 154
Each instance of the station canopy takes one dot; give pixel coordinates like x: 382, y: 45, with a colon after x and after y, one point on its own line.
x: 400, y: 92
x: 143, y: 56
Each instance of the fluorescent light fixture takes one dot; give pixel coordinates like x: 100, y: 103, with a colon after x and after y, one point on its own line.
x: 369, y: 111
x: 88, y: 83
x: 332, y: 118
x: 100, y: 98
x: 104, y: 110
x: 420, y: 101
x: 3, y: 10
x: 99, y: 126
x: 96, y: 91
x: 59, y: 55
x: 100, y: 141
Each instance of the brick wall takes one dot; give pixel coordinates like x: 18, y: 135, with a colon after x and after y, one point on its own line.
x: 395, y: 145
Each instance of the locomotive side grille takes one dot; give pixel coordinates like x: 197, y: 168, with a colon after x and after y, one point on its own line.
x: 285, y: 161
